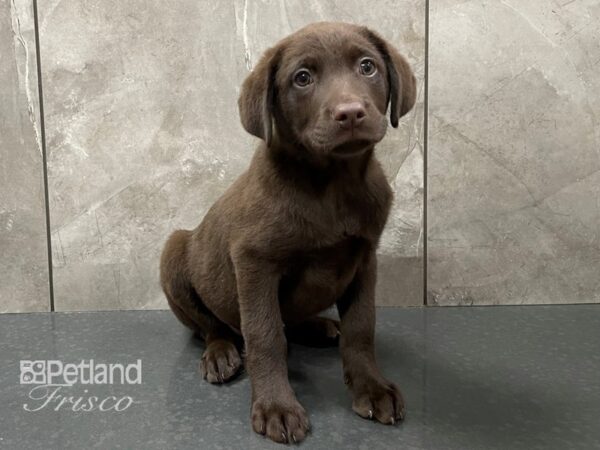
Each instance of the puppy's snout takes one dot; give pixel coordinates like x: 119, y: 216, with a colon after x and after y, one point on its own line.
x: 349, y: 115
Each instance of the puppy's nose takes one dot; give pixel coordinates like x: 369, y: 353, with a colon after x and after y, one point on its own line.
x: 349, y: 115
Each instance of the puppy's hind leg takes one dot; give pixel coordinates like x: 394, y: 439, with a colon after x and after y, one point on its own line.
x: 314, y: 332
x: 221, y: 359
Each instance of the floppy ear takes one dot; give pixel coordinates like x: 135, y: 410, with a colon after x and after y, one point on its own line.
x: 401, y: 81
x: 257, y: 97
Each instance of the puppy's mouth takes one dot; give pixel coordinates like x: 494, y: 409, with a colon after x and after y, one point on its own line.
x: 345, y: 143
x: 336, y: 141
x: 352, y: 147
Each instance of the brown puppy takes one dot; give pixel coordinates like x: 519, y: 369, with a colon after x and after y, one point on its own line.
x: 297, y: 232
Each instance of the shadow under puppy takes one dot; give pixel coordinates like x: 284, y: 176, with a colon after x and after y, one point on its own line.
x: 297, y: 232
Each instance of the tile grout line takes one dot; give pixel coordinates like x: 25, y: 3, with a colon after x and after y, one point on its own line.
x: 44, y: 153
x: 425, y: 150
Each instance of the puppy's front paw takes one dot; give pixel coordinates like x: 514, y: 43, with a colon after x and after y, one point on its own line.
x: 281, y: 420
x: 378, y: 399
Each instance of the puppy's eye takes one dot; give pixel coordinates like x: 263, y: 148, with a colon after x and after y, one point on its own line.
x: 303, y: 78
x: 367, y: 67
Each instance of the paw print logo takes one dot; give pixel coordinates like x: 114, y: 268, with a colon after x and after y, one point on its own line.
x: 33, y: 372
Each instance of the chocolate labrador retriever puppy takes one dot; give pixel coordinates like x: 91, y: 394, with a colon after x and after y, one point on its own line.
x: 297, y: 232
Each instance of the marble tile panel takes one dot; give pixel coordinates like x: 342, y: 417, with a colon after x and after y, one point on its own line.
x: 24, y: 285
x: 143, y: 133
x: 514, y: 152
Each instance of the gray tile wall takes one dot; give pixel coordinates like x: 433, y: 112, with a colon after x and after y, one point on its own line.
x: 514, y: 152
x: 142, y: 136
x: 143, y: 133
x: 24, y: 282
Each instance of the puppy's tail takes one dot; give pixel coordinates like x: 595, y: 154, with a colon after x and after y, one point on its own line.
x: 181, y: 295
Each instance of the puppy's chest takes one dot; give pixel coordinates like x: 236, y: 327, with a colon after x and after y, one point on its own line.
x: 316, y: 277
x: 357, y: 214
x: 351, y: 219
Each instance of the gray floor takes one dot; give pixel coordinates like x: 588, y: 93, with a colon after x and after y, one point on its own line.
x: 474, y: 378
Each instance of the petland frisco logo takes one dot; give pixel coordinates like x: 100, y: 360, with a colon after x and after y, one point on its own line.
x: 54, y: 381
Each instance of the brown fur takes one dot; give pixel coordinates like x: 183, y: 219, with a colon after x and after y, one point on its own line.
x: 297, y: 232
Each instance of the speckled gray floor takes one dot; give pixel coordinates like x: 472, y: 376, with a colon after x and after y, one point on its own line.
x: 474, y: 378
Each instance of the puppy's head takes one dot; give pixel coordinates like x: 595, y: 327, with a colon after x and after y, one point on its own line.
x: 326, y: 89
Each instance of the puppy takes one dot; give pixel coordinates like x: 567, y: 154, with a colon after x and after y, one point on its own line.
x: 297, y: 232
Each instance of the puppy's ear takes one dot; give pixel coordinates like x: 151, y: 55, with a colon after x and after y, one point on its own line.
x: 257, y: 97
x: 401, y: 81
